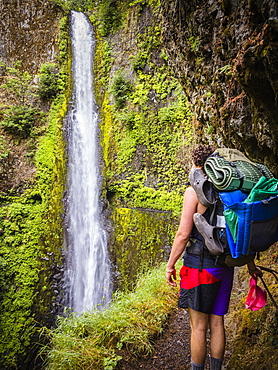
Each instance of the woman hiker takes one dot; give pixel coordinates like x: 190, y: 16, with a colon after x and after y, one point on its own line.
x: 205, y: 291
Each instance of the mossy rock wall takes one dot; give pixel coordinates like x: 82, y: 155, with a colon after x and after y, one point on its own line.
x: 141, y: 240
x: 225, y: 55
x: 32, y: 187
x: 146, y: 120
x: 146, y: 136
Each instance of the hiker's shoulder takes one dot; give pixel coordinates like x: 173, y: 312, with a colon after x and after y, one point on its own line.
x: 190, y: 197
x: 190, y: 192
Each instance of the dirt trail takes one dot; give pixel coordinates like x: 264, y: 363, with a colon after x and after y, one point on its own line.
x: 172, y: 348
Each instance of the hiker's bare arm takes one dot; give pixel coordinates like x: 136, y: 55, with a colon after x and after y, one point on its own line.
x: 253, y: 269
x: 190, y: 206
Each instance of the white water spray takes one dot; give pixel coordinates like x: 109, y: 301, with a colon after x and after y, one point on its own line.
x: 88, y: 273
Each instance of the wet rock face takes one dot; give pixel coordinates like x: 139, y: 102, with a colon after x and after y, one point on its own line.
x: 225, y: 52
x: 27, y: 32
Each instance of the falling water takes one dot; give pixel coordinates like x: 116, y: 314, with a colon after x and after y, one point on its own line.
x: 88, y: 273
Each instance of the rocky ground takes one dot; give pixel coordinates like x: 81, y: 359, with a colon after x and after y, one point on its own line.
x: 172, y: 348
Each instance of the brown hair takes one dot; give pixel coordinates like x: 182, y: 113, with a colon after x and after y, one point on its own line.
x: 201, y: 153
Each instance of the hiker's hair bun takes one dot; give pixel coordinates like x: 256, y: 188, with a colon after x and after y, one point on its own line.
x: 201, y: 153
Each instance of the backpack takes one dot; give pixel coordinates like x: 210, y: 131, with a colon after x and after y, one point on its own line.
x: 243, y: 201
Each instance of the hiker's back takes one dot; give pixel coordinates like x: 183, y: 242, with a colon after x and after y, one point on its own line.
x: 249, y: 194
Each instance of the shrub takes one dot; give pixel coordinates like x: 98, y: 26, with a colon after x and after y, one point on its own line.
x: 20, y: 119
x: 4, y: 151
x: 120, y: 89
x: 78, y: 5
x: 18, y: 85
x: 48, y: 81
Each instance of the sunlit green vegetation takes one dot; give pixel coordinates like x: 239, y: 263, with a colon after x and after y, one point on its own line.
x: 93, y: 340
x: 146, y: 126
x: 31, y: 217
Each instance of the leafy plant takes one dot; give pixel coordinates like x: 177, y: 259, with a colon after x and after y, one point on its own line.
x: 19, y: 120
x: 227, y: 70
x: 120, y: 89
x: 111, y: 362
x: 140, y: 60
x: 194, y: 43
x: 48, y: 86
x: 20, y: 116
x: 78, y: 5
x: 129, y: 119
x: 18, y: 84
x: 4, y: 151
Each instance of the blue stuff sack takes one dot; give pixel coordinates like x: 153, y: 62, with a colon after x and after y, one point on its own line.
x: 257, y: 223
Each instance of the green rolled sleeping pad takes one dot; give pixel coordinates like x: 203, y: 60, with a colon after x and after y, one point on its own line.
x: 227, y: 175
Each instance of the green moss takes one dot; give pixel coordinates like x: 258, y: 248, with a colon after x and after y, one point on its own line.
x: 31, y: 227
x: 145, y: 139
x: 31, y: 240
x: 141, y: 240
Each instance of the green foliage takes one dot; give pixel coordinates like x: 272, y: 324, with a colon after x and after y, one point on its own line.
x: 254, y: 335
x: 146, y: 46
x: 139, y: 61
x: 194, y: 43
x: 31, y: 224
x: 80, y: 5
x: 18, y: 84
x: 48, y: 81
x: 92, y: 340
x: 147, y: 133
x: 111, y: 362
x: 161, y: 135
x: 20, y: 116
x: 151, y: 3
x: 19, y: 120
x: 129, y: 119
x: 19, y: 254
x: 4, y: 150
x: 103, y: 61
x: 24, y: 224
x: 61, y: 3
x: 139, y: 195
x: 63, y: 45
x: 111, y: 16
x: 120, y: 89
x: 140, y: 242
x: 226, y: 70
x: 3, y: 275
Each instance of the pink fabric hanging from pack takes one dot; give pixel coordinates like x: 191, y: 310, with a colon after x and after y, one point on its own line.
x: 256, y: 298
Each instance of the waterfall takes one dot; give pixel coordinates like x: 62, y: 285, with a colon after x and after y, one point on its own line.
x: 87, y: 272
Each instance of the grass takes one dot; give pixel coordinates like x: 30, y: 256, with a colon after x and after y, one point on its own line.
x: 93, y: 339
